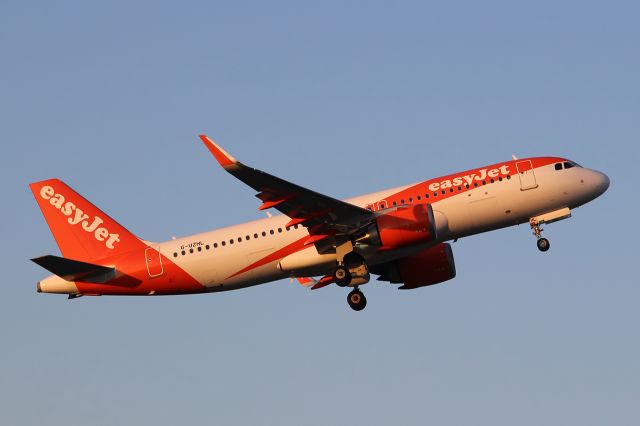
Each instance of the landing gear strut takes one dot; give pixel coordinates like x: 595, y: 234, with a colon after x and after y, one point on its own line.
x: 356, y: 300
x: 542, y: 243
x: 352, y: 271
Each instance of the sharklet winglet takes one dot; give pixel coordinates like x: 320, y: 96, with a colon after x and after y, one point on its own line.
x: 223, y: 157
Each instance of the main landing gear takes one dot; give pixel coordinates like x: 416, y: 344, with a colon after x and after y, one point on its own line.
x: 342, y: 276
x: 542, y: 243
x: 353, y: 275
x: 351, y: 271
x: 356, y: 300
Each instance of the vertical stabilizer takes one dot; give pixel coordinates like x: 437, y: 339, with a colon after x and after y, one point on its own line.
x: 83, y: 231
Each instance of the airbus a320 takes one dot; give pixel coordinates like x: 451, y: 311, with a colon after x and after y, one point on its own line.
x: 401, y: 235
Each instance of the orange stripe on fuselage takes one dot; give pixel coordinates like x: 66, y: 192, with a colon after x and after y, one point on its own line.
x: 421, y: 190
x: 276, y: 255
x: 435, y: 185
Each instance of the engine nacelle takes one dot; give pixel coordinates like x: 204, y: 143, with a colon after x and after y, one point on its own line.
x: 406, y: 226
x: 431, y: 266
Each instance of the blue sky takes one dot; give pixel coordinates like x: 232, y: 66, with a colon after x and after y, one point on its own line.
x: 344, y: 98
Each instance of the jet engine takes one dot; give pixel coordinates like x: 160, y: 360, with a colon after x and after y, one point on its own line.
x: 428, y: 267
x: 402, y: 227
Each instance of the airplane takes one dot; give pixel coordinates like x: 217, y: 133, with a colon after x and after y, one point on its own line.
x: 401, y: 235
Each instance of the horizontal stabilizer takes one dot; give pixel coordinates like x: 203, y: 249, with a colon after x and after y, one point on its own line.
x: 74, y: 270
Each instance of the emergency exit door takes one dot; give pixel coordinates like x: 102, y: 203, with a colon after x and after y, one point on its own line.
x: 154, y: 261
x: 526, y: 174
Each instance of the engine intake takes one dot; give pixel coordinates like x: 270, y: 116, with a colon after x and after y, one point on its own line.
x: 406, y: 226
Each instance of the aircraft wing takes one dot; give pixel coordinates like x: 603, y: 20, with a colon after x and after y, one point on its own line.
x: 322, y: 215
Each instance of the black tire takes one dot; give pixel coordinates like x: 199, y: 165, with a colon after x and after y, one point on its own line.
x: 543, y: 244
x: 356, y: 300
x: 342, y: 276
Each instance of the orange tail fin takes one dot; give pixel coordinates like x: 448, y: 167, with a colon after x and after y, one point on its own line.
x: 83, y: 231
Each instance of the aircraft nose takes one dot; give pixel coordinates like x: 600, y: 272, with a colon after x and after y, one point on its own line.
x: 601, y: 182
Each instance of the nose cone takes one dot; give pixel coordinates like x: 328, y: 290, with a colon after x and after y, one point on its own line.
x: 601, y: 182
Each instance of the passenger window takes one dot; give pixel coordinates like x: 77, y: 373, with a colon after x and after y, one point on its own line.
x: 426, y: 195
x: 175, y: 254
x: 279, y: 229
x: 239, y: 239
x: 255, y: 235
x: 206, y: 247
x: 199, y: 248
x: 271, y: 231
x: 419, y: 198
x: 215, y: 245
x: 183, y: 252
x: 224, y: 243
x: 191, y: 251
x: 231, y: 241
x: 558, y: 166
x: 248, y: 237
x: 264, y: 234
x: 444, y: 192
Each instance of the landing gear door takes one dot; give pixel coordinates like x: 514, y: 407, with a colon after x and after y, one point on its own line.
x: 526, y: 174
x: 154, y: 261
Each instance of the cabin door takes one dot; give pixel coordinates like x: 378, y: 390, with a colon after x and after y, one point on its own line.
x: 526, y: 174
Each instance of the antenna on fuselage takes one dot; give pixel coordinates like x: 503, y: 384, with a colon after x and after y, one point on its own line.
x: 514, y: 156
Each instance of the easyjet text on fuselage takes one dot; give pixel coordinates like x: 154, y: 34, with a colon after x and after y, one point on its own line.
x: 478, y: 176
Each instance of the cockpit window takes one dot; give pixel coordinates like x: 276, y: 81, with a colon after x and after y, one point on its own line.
x: 568, y: 165
x: 558, y: 166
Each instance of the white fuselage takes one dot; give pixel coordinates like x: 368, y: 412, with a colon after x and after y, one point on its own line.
x: 250, y: 253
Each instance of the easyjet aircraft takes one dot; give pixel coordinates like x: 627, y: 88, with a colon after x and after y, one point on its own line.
x: 398, y: 234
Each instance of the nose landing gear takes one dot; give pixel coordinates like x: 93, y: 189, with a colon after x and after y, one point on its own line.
x: 542, y: 243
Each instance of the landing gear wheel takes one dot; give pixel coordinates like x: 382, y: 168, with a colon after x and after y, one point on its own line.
x: 342, y: 276
x: 356, y: 300
x: 543, y: 244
